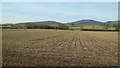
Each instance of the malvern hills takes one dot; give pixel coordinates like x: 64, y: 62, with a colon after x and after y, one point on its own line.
x: 79, y: 22
x: 97, y: 25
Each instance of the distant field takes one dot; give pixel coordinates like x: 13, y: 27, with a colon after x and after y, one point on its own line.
x: 39, y: 47
x: 96, y: 27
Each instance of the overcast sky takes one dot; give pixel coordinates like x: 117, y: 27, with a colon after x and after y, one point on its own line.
x: 15, y: 12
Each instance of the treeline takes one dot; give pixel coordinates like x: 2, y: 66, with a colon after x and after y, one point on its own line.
x: 97, y: 30
x: 34, y: 26
x: 103, y: 27
x: 39, y: 26
x: 100, y: 27
x: 107, y: 26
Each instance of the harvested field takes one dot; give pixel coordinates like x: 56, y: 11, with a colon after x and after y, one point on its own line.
x: 23, y: 47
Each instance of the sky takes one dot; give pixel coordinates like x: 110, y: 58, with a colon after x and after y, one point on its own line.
x: 60, y: 0
x: 16, y: 12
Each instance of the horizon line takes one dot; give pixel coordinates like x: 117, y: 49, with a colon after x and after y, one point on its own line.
x: 59, y: 21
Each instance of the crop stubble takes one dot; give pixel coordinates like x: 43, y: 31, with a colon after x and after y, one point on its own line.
x: 59, y: 48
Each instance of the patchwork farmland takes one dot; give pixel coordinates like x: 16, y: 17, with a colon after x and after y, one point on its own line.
x: 39, y: 47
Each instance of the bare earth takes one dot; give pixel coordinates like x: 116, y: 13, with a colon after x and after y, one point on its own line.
x: 23, y: 47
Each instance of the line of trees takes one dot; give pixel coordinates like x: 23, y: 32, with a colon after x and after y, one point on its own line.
x: 36, y: 26
x: 107, y: 26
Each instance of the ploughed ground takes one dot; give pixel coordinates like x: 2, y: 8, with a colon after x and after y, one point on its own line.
x: 39, y: 47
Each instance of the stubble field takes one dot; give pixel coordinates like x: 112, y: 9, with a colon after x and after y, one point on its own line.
x: 39, y: 47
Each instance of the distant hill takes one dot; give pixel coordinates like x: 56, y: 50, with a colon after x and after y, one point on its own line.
x: 86, y: 22
x: 47, y: 22
x: 112, y: 22
x: 54, y: 23
x: 41, y: 23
